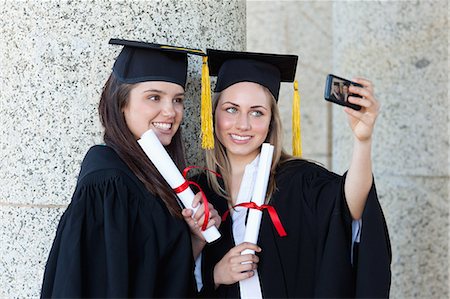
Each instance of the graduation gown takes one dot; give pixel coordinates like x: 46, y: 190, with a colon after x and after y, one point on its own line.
x: 314, y: 259
x: 116, y: 239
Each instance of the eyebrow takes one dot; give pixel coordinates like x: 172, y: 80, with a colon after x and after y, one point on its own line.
x: 162, y: 92
x: 252, y: 107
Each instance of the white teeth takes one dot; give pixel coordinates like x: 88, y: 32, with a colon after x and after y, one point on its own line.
x: 163, y: 126
x: 237, y: 137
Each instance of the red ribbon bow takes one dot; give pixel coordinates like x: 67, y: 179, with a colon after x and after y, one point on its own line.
x: 186, y: 184
x: 272, y: 213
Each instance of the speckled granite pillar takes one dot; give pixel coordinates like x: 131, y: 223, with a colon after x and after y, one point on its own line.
x: 55, y: 59
x: 402, y: 46
x: 302, y: 28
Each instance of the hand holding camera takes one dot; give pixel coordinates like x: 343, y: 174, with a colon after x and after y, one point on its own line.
x: 362, y: 107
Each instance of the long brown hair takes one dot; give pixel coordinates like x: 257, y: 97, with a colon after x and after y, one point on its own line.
x: 114, y: 98
x: 217, y: 158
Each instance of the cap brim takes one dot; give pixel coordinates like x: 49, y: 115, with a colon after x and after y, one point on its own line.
x: 287, y: 64
x: 160, y: 47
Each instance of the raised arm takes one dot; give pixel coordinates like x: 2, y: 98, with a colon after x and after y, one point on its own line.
x: 359, y: 177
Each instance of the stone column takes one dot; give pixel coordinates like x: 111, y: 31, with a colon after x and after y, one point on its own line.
x: 55, y: 59
x: 301, y: 28
x: 402, y: 46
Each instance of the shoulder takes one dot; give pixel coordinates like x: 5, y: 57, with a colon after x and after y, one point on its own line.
x: 101, y: 157
x: 303, y: 169
x: 102, y: 164
x: 104, y: 178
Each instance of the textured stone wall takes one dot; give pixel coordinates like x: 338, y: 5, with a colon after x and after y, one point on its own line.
x: 301, y: 28
x: 54, y: 60
x: 402, y: 46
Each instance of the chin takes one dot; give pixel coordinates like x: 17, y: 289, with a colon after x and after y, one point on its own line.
x: 165, y: 141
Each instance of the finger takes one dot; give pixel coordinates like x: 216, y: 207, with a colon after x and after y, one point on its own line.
x: 213, y: 213
x: 199, y: 214
x: 243, y: 267
x: 191, y: 223
x: 360, y: 101
x: 243, y: 275
x: 217, y: 220
x: 371, y: 106
x: 364, y: 82
x: 197, y: 199
x: 245, y: 258
x: 362, y: 91
x: 211, y: 222
x: 186, y: 213
x: 246, y: 245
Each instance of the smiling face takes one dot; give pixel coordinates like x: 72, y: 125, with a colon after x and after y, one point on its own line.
x: 345, y: 89
x: 155, y: 105
x: 242, y: 119
x: 336, y: 89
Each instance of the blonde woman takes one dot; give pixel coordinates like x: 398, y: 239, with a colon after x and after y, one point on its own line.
x: 326, y: 252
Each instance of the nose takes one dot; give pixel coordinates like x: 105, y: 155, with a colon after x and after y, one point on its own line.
x: 168, y: 109
x: 243, y: 122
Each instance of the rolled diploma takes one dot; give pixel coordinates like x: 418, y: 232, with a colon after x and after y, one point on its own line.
x: 155, y: 151
x: 259, y: 194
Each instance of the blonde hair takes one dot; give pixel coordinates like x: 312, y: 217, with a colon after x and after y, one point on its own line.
x: 217, y: 160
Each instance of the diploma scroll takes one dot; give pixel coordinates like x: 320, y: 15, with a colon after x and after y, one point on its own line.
x: 259, y: 195
x: 250, y: 288
x: 155, y: 151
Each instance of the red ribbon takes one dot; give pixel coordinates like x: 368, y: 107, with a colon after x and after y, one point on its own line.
x: 272, y: 213
x: 186, y: 184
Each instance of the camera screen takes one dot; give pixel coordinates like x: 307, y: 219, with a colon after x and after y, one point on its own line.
x: 339, y: 89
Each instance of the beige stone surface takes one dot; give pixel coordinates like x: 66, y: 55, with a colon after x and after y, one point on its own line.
x: 417, y: 212
x: 301, y: 28
x: 27, y: 234
x: 403, y: 48
x: 54, y: 60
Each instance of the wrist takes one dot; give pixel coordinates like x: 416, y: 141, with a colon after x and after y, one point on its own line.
x: 363, y: 141
x: 215, y: 278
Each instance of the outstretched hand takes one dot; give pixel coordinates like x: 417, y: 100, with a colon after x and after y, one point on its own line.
x: 362, y: 122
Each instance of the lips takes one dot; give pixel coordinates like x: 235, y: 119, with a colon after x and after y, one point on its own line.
x: 164, y: 126
x: 240, y: 137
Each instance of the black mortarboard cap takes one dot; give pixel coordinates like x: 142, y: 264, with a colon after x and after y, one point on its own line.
x: 269, y: 70
x: 140, y: 61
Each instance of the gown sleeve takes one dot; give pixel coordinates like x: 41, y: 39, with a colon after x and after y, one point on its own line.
x: 372, y: 257
x: 370, y: 273
x: 96, y: 252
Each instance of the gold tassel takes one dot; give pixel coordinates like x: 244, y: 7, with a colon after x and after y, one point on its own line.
x: 296, y: 129
x: 206, y: 108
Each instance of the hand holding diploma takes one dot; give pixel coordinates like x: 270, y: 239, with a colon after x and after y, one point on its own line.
x: 155, y: 151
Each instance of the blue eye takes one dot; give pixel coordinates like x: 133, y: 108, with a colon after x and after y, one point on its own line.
x: 231, y: 110
x: 256, y: 113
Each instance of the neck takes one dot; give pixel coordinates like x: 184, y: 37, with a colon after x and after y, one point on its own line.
x: 238, y: 163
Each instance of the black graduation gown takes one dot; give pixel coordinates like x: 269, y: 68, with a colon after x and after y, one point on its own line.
x: 313, y: 260
x: 117, y: 240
